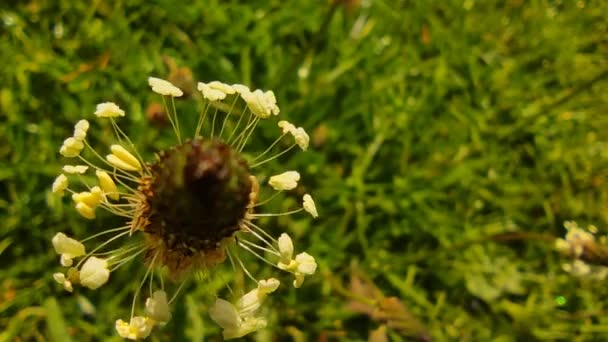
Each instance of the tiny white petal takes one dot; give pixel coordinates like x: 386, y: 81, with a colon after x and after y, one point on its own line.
x: 94, y: 273
x: 108, y: 110
x: 309, y: 206
x: 163, y: 87
x: 285, y: 181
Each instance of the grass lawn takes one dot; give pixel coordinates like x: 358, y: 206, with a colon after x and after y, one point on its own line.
x: 449, y: 143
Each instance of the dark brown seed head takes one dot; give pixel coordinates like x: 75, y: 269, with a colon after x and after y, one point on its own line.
x: 196, y: 197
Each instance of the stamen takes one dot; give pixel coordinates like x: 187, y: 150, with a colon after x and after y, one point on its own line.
x: 271, y: 251
x: 270, y: 147
x: 177, y: 292
x: 277, y: 214
x: 260, y: 237
x: 119, y: 132
x: 105, y: 232
x: 256, y: 255
x: 201, y: 119
x: 273, y: 157
x: 268, y: 199
x: 179, y: 137
x: 228, y: 115
x: 245, y: 268
x: 169, y: 116
x: 101, y: 246
x: 244, y: 143
x: 142, y: 284
x: 253, y: 225
x: 250, y: 120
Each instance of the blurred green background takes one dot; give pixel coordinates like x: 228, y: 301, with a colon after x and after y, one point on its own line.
x: 450, y: 141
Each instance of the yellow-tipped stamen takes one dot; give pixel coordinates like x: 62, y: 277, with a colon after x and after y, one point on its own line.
x: 118, y: 133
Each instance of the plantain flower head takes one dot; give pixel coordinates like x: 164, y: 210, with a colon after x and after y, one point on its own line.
x: 185, y: 209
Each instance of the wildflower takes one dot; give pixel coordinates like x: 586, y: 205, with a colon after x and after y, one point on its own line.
x: 309, y: 206
x: 60, y: 184
x: 285, y: 181
x: 188, y: 210
x: 94, y: 273
x: 138, y: 328
x: 109, y: 110
x: 163, y: 87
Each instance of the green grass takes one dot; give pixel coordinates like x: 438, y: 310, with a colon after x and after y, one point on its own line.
x: 450, y: 142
